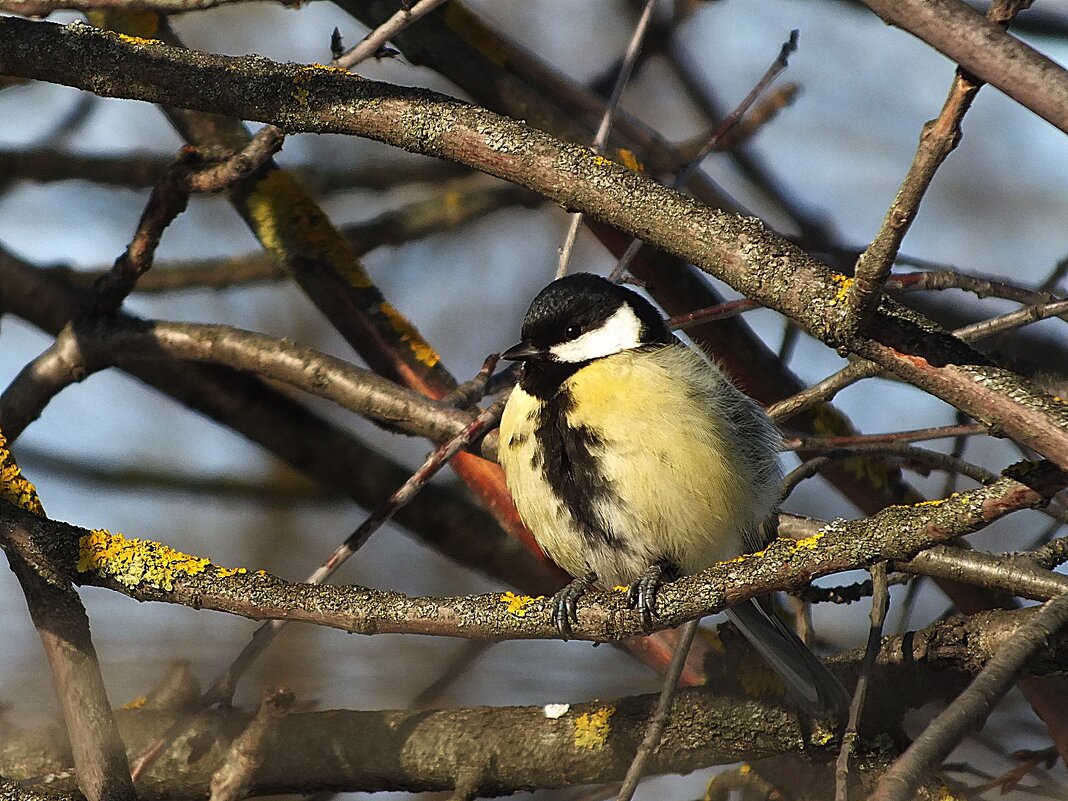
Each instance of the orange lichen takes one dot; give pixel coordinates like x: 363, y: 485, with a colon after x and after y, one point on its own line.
x: 328, y: 68
x: 15, y: 487
x: 808, y: 543
x: 289, y: 223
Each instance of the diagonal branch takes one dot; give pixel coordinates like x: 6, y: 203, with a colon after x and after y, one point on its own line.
x: 740, y: 251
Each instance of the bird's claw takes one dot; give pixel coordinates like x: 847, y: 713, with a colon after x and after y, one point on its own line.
x: 641, y: 595
x: 565, y: 604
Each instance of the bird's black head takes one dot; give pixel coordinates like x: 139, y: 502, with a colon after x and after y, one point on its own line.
x: 582, y: 317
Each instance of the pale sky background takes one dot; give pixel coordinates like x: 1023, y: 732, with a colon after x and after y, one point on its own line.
x: 998, y: 206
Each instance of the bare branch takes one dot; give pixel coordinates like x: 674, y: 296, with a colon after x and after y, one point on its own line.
x: 972, y: 707
x: 984, y: 49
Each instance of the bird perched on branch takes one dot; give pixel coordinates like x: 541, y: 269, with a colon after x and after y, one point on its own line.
x: 633, y: 460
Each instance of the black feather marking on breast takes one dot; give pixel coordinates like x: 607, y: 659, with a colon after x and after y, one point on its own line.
x: 572, y: 469
x: 543, y: 379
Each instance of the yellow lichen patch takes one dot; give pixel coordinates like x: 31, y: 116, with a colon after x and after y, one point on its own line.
x: 288, y: 223
x: 873, y: 472
x: 517, y: 604
x: 844, y: 282
x: 945, y: 794
x: 14, y: 487
x: 822, y: 737
x: 328, y: 68
x: 747, y: 556
x: 591, y: 728
x: 934, y: 502
x: 226, y: 572
x: 600, y: 161
x: 136, y: 703
x: 621, y: 588
x: 133, y: 562
x: 137, y: 40
x: 454, y: 206
x: 808, y: 543
x: 421, y: 349
x: 630, y: 161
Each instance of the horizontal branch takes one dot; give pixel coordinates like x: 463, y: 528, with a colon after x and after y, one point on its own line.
x: 149, y: 571
x: 512, y: 747
x: 738, y: 250
x: 529, y: 746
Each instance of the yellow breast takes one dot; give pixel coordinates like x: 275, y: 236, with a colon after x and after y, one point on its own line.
x: 661, y: 428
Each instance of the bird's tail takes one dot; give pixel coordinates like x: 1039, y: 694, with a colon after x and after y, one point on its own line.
x: 816, y: 690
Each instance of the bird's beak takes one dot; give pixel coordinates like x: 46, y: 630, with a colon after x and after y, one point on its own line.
x: 523, y: 351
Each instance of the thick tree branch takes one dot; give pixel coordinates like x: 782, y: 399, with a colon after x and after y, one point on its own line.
x: 739, y: 251
x: 516, y: 748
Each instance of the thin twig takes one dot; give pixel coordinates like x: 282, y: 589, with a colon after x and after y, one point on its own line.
x: 860, y: 369
x: 601, y: 138
x: 939, y: 138
x: 383, y: 33
x: 880, y: 601
x: 971, y: 708
x: 721, y: 311
x: 803, y: 442
x: 661, y: 715
x: 980, y: 286
x: 714, y: 140
x: 911, y: 455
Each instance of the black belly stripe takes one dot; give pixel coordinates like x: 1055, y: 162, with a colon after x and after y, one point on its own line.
x: 572, y: 469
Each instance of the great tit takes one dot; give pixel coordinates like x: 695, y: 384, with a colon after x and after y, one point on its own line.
x: 634, y: 460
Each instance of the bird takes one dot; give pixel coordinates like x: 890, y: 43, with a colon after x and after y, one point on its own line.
x: 634, y: 460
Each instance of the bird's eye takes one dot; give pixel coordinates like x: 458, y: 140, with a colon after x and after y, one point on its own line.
x: 571, y: 331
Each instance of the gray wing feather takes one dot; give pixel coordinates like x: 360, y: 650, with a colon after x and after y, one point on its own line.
x: 816, y: 690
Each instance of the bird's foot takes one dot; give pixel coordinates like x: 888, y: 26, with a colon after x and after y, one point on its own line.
x: 642, y: 593
x: 565, y: 603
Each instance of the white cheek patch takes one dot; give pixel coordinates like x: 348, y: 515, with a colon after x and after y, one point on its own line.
x: 622, y: 331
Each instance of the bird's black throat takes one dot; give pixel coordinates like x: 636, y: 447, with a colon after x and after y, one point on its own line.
x: 543, y: 379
